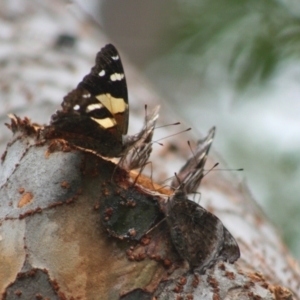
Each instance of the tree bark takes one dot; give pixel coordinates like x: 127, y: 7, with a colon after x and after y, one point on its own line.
x: 56, y: 242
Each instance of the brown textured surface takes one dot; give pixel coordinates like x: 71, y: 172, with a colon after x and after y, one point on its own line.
x: 63, y: 232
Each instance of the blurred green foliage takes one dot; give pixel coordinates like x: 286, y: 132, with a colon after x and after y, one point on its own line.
x: 249, y: 37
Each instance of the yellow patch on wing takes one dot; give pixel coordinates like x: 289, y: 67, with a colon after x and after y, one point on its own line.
x: 114, y: 105
x: 106, y: 123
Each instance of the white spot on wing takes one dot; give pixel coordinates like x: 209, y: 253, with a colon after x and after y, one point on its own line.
x: 93, y: 106
x: 102, y: 73
x: 76, y: 107
x: 115, y: 57
x: 116, y: 76
x: 86, y: 95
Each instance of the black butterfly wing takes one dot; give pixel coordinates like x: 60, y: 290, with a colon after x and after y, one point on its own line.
x: 199, y: 236
x: 107, y: 83
x: 95, y: 114
x: 230, y: 249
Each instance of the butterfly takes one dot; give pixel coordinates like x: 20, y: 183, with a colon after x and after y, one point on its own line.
x: 95, y: 114
x: 198, y: 235
x: 191, y: 173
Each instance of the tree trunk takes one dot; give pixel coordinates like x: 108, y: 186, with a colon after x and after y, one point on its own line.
x: 58, y: 236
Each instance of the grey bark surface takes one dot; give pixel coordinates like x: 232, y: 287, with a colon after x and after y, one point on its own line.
x: 52, y: 238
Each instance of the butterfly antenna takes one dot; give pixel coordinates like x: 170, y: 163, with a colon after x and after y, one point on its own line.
x: 166, y: 125
x: 188, y: 129
x: 161, y: 144
x: 234, y: 170
x: 155, y: 142
x: 212, y: 168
